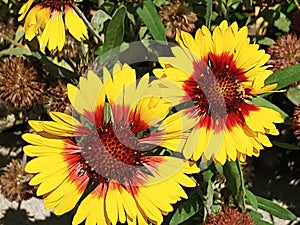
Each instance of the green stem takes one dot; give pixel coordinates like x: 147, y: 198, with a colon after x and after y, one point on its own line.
x: 89, y: 25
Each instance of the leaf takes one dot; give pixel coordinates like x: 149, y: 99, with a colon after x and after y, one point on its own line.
x: 259, y: 101
x: 257, y: 217
x: 115, y: 31
x: 251, y: 199
x: 282, y: 23
x: 208, y: 14
x: 53, y: 69
x: 235, y: 181
x: 113, y: 39
x: 185, y: 211
x: 159, y: 2
x: 98, y: 20
x: 284, y: 77
x: 293, y: 94
x: 286, y: 145
x: 266, y: 41
x: 150, y: 17
x: 275, y: 209
x: 16, y: 51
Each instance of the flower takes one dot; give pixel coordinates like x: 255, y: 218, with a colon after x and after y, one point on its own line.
x: 177, y: 16
x: 219, y: 74
x: 285, y: 52
x: 229, y: 216
x: 14, y: 182
x: 21, y: 83
x: 296, y: 123
x: 114, y: 149
x: 48, y: 17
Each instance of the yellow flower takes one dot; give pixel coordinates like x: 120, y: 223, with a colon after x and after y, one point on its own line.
x: 220, y: 73
x: 48, y: 17
x: 116, y: 153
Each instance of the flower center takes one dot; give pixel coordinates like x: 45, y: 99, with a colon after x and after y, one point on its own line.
x: 113, y: 152
x: 57, y: 5
x: 215, y: 88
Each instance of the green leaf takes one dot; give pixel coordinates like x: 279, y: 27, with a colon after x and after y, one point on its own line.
x: 275, y: 209
x: 257, y: 217
x: 208, y: 14
x: 98, y: 20
x: 259, y: 101
x: 286, y: 145
x: 282, y: 23
x: 53, y: 69
x: 284, y: 77
x: 266, y: 41
x: 293, y: 94
x: 150, y: 17
x: 159, y: 2
x: 114, y: 34
x: 251, y: 199
x: 235, y: 181
x: 185, y: 211
x: 115, y: 31
x: 16, y: 51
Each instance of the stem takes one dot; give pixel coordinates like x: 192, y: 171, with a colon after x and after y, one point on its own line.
x: 12, y: 41
x: 89, y: 25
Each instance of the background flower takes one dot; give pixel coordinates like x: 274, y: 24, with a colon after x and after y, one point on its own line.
x: 48, y: 16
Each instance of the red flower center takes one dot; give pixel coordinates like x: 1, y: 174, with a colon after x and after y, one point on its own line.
x: 114, y: 153
x: 57, y: 5
x: 215, y: 87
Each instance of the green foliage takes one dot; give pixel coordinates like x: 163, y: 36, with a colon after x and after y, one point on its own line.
x: 150, y: 17
x: 185, y: 211
x: 284, y: 77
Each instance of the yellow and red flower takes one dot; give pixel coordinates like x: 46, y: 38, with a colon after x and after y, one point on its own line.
x: 220, y: 73
x: 113, y: 148
x: 47, y: 16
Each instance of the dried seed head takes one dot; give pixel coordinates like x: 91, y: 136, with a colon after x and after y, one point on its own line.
x: 177, y: 16
x: 21, y: 83
x: 14, y: 182
x: 229, y: 216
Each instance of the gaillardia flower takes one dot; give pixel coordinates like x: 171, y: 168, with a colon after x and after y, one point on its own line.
x: 220, y: 73
x: 47, y: 16
x: 115, y: 152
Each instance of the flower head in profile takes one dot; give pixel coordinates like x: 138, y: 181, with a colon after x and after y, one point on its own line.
x: 219, y: 74
x: 47, y: 16
x: 113, y: 148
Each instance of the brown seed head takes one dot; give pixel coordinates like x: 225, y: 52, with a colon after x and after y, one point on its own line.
x: 177, y: 16
x: 14, y: 182
x: 285, y: 52
x: 21, y: 84
x: 229, y: 216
